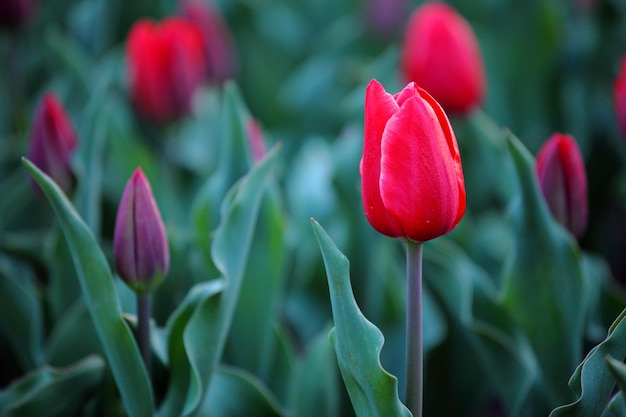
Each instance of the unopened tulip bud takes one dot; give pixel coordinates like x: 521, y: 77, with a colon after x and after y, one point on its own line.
x: 219, y: 45
x: 53, y: 142
x: 140, y: 244
x: 255, y: 140
x: 442, y: 56
x: 411, y: 175
x: 166, y: 65
x: 619, y: 97
x: 563, y: 181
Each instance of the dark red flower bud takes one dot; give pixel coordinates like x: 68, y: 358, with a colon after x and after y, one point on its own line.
x: 441, y: 55
x: 218, y: 42
x: 14, y: 13
x: 561, y: 173
x: 53, y: 141
x: 411, y: 174
x: 166, y: 65
x: 140, y: 247
x: 619, y: 97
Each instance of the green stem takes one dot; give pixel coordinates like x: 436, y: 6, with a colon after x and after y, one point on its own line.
x: 414, y: 353
x: 143, y: 327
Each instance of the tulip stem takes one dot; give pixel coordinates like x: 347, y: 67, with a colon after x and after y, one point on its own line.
x: 143, y: 327
x: 414, y: 353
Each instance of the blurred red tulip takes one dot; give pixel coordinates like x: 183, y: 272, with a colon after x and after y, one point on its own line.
x: 411, y: 175
x: 255, y: 140
x: 53, y: 142
x: 218, y: 43
x: 563, y: 181
x: 384, y: 17
x: 140, y: 244
x: 166, y: 65
x: 441, y: 54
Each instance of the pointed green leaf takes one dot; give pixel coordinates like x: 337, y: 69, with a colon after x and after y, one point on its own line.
x: 543, y: 287
x: 21, y: 317
x: 205, y: 334
x: 51, y: 391
x: 236, y: 393
x: 618, y: 369
x: 373, y: 391
x: 96, y: 282
x: 593, y: 382
x: 197, y: 309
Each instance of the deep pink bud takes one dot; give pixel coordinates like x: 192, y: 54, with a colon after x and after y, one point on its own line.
x: 53, y: 141
x: 411, y: 175
x: 166, y: 65
x: 219, y: 46
x: 441, y: 55
x: 140, y: 247
x: 255, y: 140
x: 14, y: 13
x: 619, y: 97
x: 561, y: 173
x: 384, y: 17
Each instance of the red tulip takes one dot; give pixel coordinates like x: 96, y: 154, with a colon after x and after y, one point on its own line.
x: 166, y: 65
x: 561, y: 173
x: 53, y: 142
x: 140, y: 245
x: 219, y: 46
x: 620, y: 97
x: 441, y: 55
x: 411, y: 174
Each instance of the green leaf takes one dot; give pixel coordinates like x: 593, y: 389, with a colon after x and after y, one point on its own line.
x: 618, y: 369
x: 250, y: 344
x: 543, y: 287
x: 314, y: 390
x: 236, y: 393
x: 593, y: 381
x: 21, y: 318
x: 197, y: 310
x: 51, y: 391
x: 357, y: 342
x: 96, y: 282
x: 205, y: 334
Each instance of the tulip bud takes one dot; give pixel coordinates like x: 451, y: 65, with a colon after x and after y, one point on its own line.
x: 441, y: 55
x: 14, y: 13
x: 53, y: 141
x: 255, y: 140
x: 619, y: 97
x: 384, y: 17
x: 219, y: 46
x: 563, y: 182
x: 166, y: 65
x: 411, y: 175
x: 140, y: 246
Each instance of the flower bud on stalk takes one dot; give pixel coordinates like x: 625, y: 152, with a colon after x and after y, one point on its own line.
x: 619, y: 97
x: 219, y: 46
x: 166, y: 65
x: 53, y: 142
x: 140, y: 244
x: 411, y: 174
x: 441, y: 55
x: 563, y: 181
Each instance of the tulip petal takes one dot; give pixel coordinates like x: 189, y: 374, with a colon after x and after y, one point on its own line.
x: 379, y: 107
x: 418, y: 174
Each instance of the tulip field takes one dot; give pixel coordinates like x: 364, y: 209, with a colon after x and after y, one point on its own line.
x: 265, y: 208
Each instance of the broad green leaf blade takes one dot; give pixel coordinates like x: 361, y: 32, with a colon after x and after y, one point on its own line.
x: 592, y: 381
x: 357, y: 342
x: 616, y: 407
x: 314, y: 390
x: 618, y: 369
x: 198, y: 307
x: 252, y: 335
x: 543, y: 287
x: 21, y: 317
x: 96, y: 282
x: 51, y: 391
x: 230, y: 249
x: 236, y: 393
